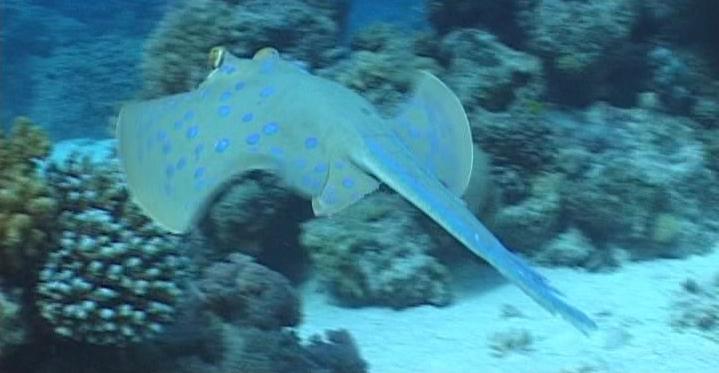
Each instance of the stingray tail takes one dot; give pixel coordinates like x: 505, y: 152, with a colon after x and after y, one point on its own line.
x: 397, y: 168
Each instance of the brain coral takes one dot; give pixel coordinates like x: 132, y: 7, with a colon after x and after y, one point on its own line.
x: 114, y: 277
x: 176, y: 53
x: 27, y: 210
x: 375, y: 252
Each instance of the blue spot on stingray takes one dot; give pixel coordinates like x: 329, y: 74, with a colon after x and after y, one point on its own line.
x: 277, y: 152
x: 199, y: 172
x: 247, y: 117
x: 178, y: 125
x: 267, y: 66
x: 161, y: 135
x: 252, y: 139
x: 414, y: 132
x: 239, y: 85
x: 301, y: 163
x: 203, y: 94
x: 225, y: 95
x: 166, y: 148
x: 270, y: 128
x: 311, y: 183
x: 321, y: 167
x: 223, y: 110
x: 267, y: 91
x: 311, y: 142
x: 169, y: 171
x: 189, y: 115
x: 181, y: 163
x: 198, y: 151
x: 348, y: 183
x: 222, y: 145
x: 228, y: 69
x: 167, y: 189
x: 191, y: 132
x: 200, y: 184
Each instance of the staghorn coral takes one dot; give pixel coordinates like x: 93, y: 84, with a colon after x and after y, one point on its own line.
x: 114, y: 278
x: 375, y: 252
x: 176, y: 53
x: 27, y: 210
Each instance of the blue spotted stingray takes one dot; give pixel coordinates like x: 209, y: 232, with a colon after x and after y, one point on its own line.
x: 323, y: 140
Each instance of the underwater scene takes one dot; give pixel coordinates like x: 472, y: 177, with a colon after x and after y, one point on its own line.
x: 351, y: 186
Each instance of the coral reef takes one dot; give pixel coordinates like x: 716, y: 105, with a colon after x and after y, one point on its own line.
x: 114, y: 278
x: 249, y: 214
x: 498, y: 16
x: 485, y: 73
x: 12, y: 326
x: 27, y: 210
x: 382, y: 65
x: 249, y: 350
x: 245, y: 293
x: 375, y: 252
x: 646, y: 188
x: 534, y: 221
x: 559, y: 30
x: 570, y: 248
x: 176, y: 52
x: 591, y: 49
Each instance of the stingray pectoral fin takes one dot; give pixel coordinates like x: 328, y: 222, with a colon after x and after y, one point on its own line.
x: 434, y: 127
x: 346, y: 184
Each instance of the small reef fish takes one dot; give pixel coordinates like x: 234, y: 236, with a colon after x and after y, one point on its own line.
x: 324, y: 140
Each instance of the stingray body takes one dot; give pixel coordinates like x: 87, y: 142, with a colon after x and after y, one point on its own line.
x: 324, y: 140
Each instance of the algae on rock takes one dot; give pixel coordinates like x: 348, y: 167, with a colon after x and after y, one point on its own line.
x: 27, y: 210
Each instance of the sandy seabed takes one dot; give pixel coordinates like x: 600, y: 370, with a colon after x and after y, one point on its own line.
x: 633, y: 307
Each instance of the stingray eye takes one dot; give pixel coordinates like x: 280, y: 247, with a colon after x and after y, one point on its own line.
x: 214, y: 59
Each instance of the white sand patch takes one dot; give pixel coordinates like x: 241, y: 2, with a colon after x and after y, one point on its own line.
x: 632, y: 307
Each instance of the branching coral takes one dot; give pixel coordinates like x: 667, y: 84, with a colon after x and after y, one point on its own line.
x: 27, y: 209
x: 114, y: 278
